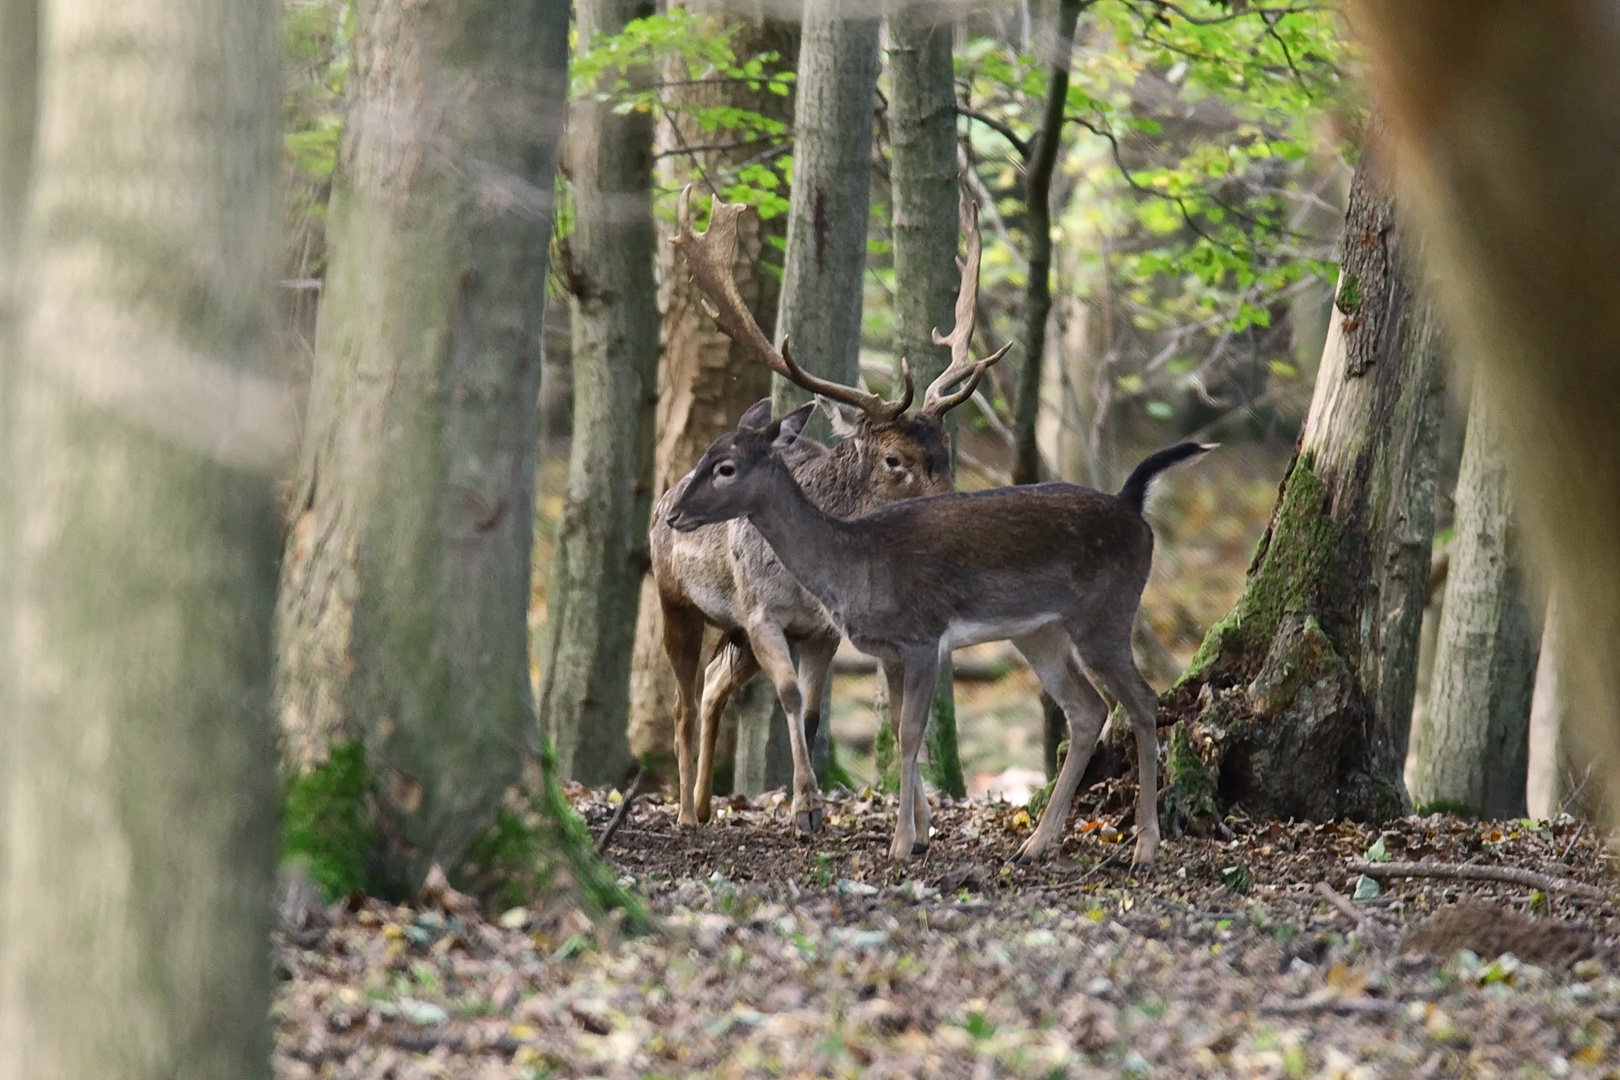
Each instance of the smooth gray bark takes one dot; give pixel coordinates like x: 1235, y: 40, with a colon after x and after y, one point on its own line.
x: 1473, y: 750
x: 142, y: 424
x: 403, y: 610
x: 595, y: 583
x: 924, y: 191
x: 825, y: 268
x: 1549, y: 783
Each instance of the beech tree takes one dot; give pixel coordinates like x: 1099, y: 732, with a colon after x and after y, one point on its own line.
x: 601, y: 558
x: 1297, y: 704
x: 405, y: 705
x: 141, y: 426
x: 1472, y: 750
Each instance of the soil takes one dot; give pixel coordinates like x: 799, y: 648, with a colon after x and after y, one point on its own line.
x: 776, y: 956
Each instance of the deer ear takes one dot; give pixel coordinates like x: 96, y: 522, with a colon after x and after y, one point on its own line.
x: 758, y: 416
x: 789, y: 427
x: 845, y: 419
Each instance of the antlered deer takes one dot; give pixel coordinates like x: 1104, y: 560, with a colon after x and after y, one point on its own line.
x: 1054, y: 568
x: 727, y: 575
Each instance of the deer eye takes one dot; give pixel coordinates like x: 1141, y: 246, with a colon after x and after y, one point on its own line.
x: 725, y: 468
x: 892, y: 462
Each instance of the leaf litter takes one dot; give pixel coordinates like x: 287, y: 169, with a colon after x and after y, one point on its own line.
x: 776, y: 956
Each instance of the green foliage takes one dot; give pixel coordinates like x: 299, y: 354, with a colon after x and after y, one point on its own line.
x: 327, y: 823
x: 691, y: 49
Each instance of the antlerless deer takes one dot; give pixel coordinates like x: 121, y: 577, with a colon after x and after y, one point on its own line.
x: 728, y: 576
x: 1055, y: 568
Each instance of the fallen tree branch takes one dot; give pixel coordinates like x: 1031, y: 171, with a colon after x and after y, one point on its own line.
x: 1510, y: 875
x: 1364, y: 923
x: 623, y: 812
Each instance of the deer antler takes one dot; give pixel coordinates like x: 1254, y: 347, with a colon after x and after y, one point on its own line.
x: 710, y: 255
x: 936, y: 402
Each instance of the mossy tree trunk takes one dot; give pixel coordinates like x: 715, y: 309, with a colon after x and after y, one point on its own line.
x: 601, y: 558
x: 1472, y: 751
x: 1299, y: 700
x: 824, y: 269
x: 705, y: 380
x: 405, y: 705
x: 142, y: 425
x: 923, y: 182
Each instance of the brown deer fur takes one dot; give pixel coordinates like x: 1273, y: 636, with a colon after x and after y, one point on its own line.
x: 1055, y: 568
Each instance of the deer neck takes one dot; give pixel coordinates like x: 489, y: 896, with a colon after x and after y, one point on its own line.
x: 815, y: 548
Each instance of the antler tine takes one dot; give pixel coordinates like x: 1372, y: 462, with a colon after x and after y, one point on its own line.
x: 710, y: 255
x: 937, y: 402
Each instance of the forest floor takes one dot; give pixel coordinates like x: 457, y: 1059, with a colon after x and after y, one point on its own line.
x: 778, y: 957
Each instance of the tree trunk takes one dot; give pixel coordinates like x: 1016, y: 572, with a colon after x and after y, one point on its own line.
x: 1038, y: 293
x: 405, y: 701
x: 142, y: 425
x: 19, y: 97
x: 1301, y: 697
x: 705, y: 380
x: 825, y: 265
x: 1549, y: 783
x: 1508, y: 165
x: 923, y: 182
x: 1473, y: 750
x: 601, y: 558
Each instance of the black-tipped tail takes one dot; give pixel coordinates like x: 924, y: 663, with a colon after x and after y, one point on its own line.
x: 1135, y: 490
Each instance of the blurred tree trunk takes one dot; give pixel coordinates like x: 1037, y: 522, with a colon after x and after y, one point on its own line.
x: 1549, y: 783
x: 1038, y: 200
x: 1506, y: 131
x: 1472, y: 751
x: 923, y: 183
x: 405, y: 704
x: 1300, y: 698
x: 601, y: 555
x: 19, y: 97
x: 142, y: 425
x: 824, y: 270
x: 705, y: 380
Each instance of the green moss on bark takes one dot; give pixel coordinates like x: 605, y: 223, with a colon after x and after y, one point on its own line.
x: 327, y: 821
x: 1190, y: 796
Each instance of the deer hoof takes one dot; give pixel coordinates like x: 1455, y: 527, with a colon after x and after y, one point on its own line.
x: 686, y: 821
x: 920, y: 847
x: 809, y: 821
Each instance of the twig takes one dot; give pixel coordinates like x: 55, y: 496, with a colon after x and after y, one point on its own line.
x: 1572, y: 842
x: 623, y: 812
x: 1024, y: 146
x: 1355, y: 1006
x: 1510, y: 875
x: 1364, y: 923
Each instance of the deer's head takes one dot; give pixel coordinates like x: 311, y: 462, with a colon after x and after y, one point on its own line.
x: 908, y: 453
x: 734, y: 476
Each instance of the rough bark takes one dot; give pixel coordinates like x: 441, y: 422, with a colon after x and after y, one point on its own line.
x: 1473, y: 749
x: 1505, y: 121
x: 825, y: 266
x: 1037, y: 199
x: 705, y: 381
x: 923, y: 183
x: 1300, y: 698
x: 142, y: 425
x: 405, y: 704
x: 595, y: 583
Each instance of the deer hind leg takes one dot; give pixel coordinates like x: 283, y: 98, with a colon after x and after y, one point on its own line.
x: 771, y: 646
x: 815, y: 664
x: 894, y: 673
x: 733, y: 665
x: 1051, y: 654
x: 1111, y: 661
x: 683, y: 644
x: 921, y: 673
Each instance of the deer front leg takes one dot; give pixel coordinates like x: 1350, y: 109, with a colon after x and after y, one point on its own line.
x: 771, y: 647
x: 1050, y: 655
x: 733, y: 665
x: 815, y: 663
x: 683, y: 644
x: 921, y: 672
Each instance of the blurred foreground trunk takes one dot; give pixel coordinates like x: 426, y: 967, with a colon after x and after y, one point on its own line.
x: 705, y: 380
x: 142, y: 424
x: 601, y: 558
x: 1506, y: 120
x: 923, y: 182
x: 405, y: 704
x: 1298, y: 702
x: 1471, y: 752
x: 822, y: 278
